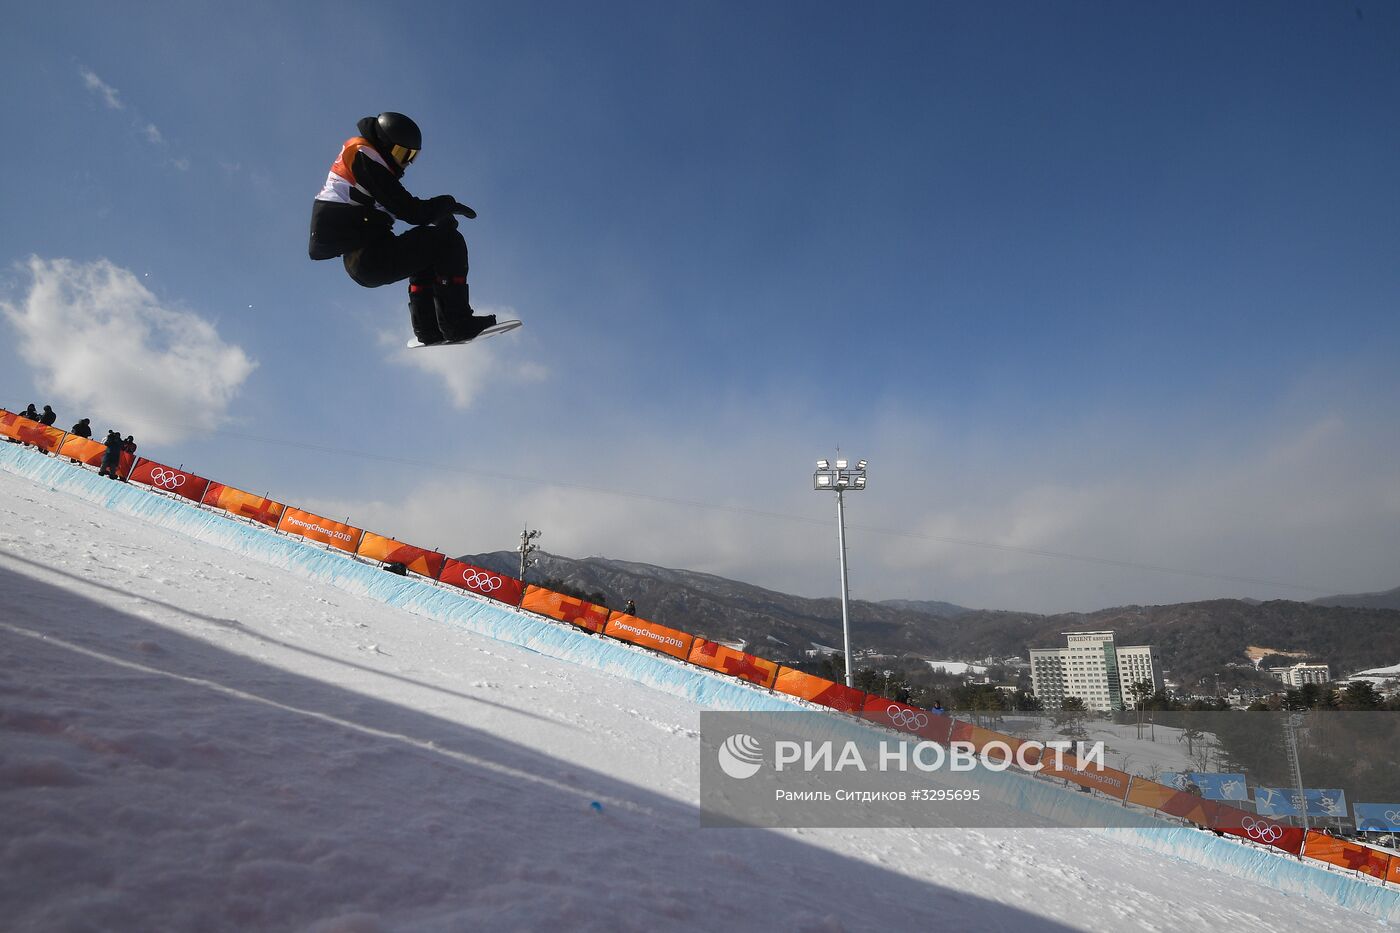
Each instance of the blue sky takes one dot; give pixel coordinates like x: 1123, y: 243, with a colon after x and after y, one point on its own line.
x: 1106, y: 293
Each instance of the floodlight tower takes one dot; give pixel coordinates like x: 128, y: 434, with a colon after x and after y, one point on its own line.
x: 838, y: 479
x: 526, y: 549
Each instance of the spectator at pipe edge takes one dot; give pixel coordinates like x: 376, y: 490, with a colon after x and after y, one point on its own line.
x: 48, y: 417
x: 112, y: 459
x: 81, y: 429
x: 936, y: 708
x: 32, y: 415
x: 129, y: 445
x: 630, y: 609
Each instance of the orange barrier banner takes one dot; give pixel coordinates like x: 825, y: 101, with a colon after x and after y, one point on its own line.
x: 315, y: 527
x: 1105, y: 780
x: 565, y: 608
x: 981, y: 738
x: 906, y: 718
x: 1393, y: 873
x: 1150, y: 794
x: 1353, y: 855
x: 1175, y: 802
x: 83, y: 449
x: 736, y: 663
x: 1195, y: 809
x: 11, y: 424
x: 420, y: 561
x: 30, y: 432
x: 977, y: 737
x: 649, y: 635
x: 482, y: 582
x: 168, y: 479
x: 1256, y: 828
x: 46, y: 438
x: 819, y: 690
x: 245, y: 504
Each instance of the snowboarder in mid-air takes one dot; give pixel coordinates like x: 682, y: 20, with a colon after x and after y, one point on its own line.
x: 353, y: 217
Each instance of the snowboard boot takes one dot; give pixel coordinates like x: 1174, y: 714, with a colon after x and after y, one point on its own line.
x: 454, y: 311
x: 422, y: 310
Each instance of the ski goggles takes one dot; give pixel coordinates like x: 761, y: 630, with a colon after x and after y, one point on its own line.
x: 403, y: 155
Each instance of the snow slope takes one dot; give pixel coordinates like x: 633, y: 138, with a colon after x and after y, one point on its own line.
x: 194, y: 740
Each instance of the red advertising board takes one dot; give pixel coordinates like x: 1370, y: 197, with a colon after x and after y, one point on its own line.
x: 482, y: 582
x: 905, y: 718
x: 169, y: 479
x: 1256, y: 828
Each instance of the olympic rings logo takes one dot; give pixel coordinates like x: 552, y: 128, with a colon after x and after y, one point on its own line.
x: 483, y: 582
x: 1262, y: 830
x: 167, y: 479
x: 906, y: 718
x: 1393, y: 816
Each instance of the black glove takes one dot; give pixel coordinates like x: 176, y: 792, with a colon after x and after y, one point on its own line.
x: 460, y: 208
x: 441, y: 207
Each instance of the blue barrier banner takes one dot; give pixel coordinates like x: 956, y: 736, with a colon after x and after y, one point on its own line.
x: 1282, y: 801
x: 1377, y: 817
x: 1212, y: 785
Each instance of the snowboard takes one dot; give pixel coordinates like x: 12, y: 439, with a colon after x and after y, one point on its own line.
x: 501, y: 327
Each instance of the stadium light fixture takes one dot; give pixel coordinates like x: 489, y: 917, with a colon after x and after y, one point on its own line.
x: 840, y: 479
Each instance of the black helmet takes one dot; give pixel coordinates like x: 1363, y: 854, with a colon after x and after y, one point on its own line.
x: 401, y: 136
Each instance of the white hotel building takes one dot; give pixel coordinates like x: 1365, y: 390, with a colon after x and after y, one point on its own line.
x: 1300, y: 674
x: 1095, y: 669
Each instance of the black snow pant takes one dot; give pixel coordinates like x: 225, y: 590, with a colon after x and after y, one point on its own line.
x: 434, y: 260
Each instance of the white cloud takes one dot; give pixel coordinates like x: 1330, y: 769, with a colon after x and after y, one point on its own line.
x: 1310, y: 503
x: 104, y: 346
x: 104, y: 90
x: 141, y: 126
x: 465, y: 371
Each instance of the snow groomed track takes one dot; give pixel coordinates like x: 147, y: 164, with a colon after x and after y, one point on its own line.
x: 684, y: 681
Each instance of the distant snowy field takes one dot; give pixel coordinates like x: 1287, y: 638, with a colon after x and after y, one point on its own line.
x: 1378, y: 676
x: 957, y: 667
x: 189, y: 741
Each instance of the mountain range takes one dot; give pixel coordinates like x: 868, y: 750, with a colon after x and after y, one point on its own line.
x: 1390, y: 599
x: 1196, y: 640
